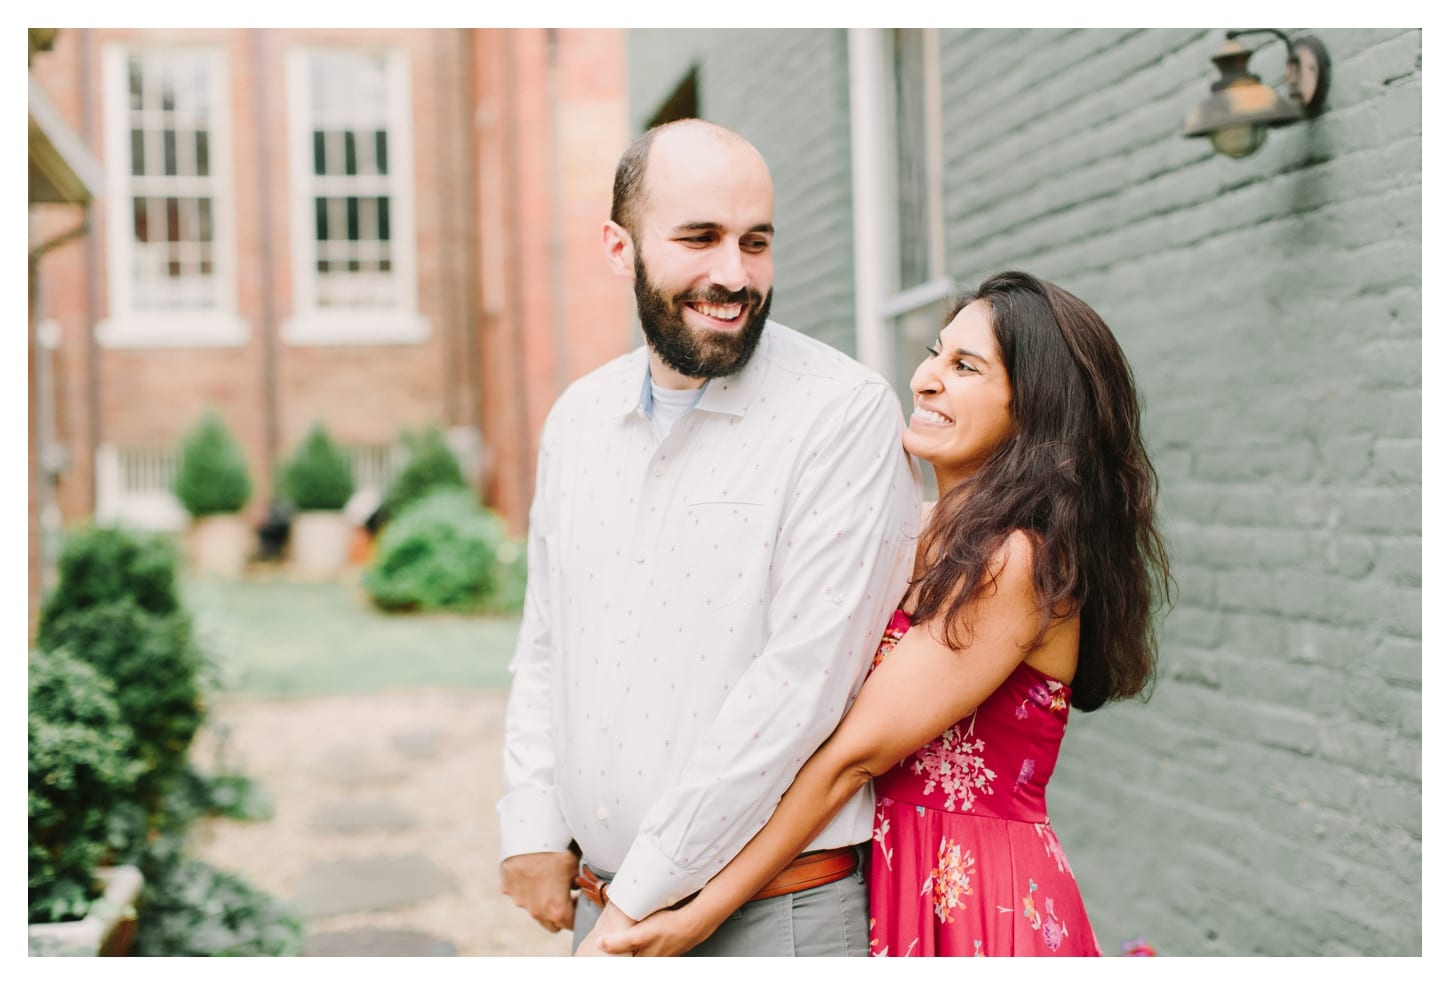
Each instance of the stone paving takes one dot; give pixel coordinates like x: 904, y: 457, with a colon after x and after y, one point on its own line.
x: 384, y: 837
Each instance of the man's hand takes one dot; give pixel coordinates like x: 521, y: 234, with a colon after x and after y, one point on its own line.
x: 541, y: 883
x: 611, y: 920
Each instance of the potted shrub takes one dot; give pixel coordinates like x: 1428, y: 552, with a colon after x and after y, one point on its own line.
x: 318, y: 481
x: 80, y: 775
x: 213, y: 485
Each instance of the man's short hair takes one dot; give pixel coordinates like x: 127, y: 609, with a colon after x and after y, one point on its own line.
x: 629, y: 174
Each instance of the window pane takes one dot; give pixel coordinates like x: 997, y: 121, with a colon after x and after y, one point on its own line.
x: 133, y: 81
x: 203, y: 211
x: 911, y: 166
x: 173, y: 221
x: 138, y: 152
x: 168, y: 145
x: 138, y: 216
x: 349, y: 100
x: 203, y: 154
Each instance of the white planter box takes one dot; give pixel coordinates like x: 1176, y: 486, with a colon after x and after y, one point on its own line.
x: 106, y: 930
x: 320, y: 542
x: 221, y: 544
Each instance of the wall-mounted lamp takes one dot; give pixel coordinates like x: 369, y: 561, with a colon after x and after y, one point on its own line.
x: 1237, y: 114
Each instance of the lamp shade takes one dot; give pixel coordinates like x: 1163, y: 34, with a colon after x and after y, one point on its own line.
x: 1239, y: 99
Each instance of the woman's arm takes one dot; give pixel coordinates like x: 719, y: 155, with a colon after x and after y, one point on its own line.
x: 921, y: 689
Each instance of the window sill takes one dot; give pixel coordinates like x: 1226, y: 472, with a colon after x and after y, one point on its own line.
x: 358, y: 326
x: 173, y: 330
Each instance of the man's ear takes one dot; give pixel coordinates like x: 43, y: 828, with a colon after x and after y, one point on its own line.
x: 618, y: 249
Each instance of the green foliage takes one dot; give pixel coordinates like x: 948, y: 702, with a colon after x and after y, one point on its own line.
x: 318, y: 476
x: 189, y: 908
x: 80, y: 772
x: 115, y: 701
x: 99, y: 564
x: 431, y: 466
x: 212, y: 475
x: 155, y: 666
x: 443, y: 552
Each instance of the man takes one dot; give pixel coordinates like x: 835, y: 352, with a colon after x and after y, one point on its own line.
x: 722, y: 524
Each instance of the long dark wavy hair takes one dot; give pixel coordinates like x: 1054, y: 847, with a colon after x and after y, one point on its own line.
x: 1074, y: 474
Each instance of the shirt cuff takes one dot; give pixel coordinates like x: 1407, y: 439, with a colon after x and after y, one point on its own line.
x: 529, y: 821
x: 648, y: 881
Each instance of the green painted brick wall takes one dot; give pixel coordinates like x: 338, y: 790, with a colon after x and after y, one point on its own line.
x: 1267, y: 798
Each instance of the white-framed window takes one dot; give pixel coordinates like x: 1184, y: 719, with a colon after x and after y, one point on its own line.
x: 171, y: 249
x: 918, y: 287
x: 354, y: 254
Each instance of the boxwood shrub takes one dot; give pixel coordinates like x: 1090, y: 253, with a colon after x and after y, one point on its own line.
x: 443, y: 552
x: 318, y: 476
x: 211, y: 476
x: 431, y: 466
x: 81, y: 771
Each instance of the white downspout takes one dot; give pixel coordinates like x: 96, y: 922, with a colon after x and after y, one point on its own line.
x: 869, y: 167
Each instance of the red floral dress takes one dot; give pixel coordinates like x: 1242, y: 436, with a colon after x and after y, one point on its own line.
x: 964, y: 861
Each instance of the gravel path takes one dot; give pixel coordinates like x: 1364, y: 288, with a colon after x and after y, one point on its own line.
x: 427, y: 762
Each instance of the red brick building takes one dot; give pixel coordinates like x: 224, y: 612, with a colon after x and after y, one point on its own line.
x: 380, y: 230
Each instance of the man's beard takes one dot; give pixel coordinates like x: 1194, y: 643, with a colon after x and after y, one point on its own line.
x: 698, y: 353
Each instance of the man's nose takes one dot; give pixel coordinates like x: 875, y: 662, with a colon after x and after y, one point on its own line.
x: 728, y: 268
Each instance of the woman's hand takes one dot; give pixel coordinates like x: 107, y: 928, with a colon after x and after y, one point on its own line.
x: 661, y: 934
x: 613, y: 920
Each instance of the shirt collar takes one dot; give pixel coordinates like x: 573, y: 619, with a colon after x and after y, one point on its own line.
x: 724, y: 395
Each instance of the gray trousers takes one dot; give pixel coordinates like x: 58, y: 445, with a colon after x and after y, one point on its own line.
x: 827, y: 921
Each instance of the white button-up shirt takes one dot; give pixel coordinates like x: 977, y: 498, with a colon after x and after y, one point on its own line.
x: 700, y: 610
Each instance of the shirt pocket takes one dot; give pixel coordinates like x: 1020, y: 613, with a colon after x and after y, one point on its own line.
x: 728, y: 545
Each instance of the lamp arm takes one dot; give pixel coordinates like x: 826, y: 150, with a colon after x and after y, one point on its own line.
x: 1288, y: 45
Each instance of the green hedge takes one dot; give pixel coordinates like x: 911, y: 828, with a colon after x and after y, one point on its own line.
x: 211, y: 476
x: 445, y: 552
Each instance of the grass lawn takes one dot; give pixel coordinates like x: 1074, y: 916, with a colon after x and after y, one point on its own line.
x: 277, y: 637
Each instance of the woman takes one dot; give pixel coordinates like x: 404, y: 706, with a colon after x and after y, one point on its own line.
x: 1036, y: 579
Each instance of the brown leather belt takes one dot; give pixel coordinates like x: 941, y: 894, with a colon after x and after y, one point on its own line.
x: 807, y: 872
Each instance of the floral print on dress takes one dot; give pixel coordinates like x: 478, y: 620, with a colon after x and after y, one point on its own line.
x: 953, y: 843
x: 1048, y: 694
x: 950, y: 882
x: 1053, y: 846
x: 882, y: 829
x: 954, y: 762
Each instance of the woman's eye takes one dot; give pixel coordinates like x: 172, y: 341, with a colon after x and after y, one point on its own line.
x: 934, y: 350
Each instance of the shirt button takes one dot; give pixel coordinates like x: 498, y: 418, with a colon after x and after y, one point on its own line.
x: 659, y: 473
x: 601, y: 813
